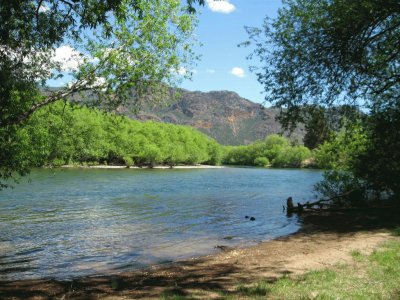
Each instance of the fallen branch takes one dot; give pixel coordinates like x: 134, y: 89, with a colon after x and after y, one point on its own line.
x: 290, y: 208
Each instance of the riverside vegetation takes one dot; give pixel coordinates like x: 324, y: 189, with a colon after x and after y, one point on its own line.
x: 63, y: 133
x: 66, y: 134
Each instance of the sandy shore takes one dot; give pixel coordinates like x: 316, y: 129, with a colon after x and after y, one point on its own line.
x: 324, y: 241
x: 134, y: 167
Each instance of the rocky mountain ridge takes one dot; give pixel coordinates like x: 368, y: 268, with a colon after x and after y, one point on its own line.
x: 223, y: 115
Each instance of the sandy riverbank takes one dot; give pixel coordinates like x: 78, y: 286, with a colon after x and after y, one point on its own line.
x: 323, y: 242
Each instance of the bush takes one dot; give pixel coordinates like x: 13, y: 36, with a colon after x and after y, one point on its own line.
x: 349, y: 188
x: 273, y: 149
x: 261, y: 162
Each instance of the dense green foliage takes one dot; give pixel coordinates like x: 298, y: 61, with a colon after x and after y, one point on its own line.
x: 361, y: 159
x: 273, y: 151
x: 116, y: 52
x: 119, y: 50
x: 65, y: 134
x: 331, y: 53
x: 316, y: 127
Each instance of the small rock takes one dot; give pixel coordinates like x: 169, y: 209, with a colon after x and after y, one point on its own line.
x: 247, y: 217
x: 252, y: 219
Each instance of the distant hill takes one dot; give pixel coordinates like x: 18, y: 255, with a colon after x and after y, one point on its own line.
x: 223, y: 115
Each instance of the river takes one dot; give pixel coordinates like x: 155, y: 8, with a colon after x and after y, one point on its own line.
x: 64, y: 223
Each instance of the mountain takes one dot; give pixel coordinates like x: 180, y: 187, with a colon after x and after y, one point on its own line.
x: 223, y: 115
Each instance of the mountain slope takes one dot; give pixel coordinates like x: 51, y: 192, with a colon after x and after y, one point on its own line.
x: 223, y: 115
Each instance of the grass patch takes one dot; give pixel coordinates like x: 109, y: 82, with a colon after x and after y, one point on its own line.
x: 259, y: 289
x: 174, y: 294
x: 375, y: 276
x: 357, y: 256
x: 370, y: 277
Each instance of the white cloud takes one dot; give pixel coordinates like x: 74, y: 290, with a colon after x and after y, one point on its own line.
x: 180, y: 71
x: 68, y: 58
x: 238, y: 72
x: 43, y: 8
x: 211, y: 71
x: 221, y: 6
x: 183, y: 71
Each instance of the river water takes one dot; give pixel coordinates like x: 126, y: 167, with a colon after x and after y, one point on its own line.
x: 66, y: 223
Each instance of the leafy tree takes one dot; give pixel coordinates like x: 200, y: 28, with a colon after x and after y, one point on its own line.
x: 62, y: 133
x: 274, y: 150
x: 274, y: 145
x: 123, y: 52
x: 122, y: 49
x: 379, y: 162
x: 292, y: 157
x: 215, y: 153
x: 337, y: 52
x: 329, y: 52
x: 261, y: 162
x: 316, y: 127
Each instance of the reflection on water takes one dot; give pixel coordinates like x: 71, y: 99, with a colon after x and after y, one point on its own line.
x: 68, y: 223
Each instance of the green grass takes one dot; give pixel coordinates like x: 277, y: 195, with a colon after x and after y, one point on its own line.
x: 173, y: 295
x: 369, y: 277
x: 260, y: 289
x: 375, y: 276
x: 357, y: 256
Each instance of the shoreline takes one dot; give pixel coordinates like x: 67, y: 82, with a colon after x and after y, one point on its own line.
x: 144, y: 167
x: 323, y: 242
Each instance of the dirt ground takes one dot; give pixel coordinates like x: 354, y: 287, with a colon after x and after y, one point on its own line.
x: 325, y: 240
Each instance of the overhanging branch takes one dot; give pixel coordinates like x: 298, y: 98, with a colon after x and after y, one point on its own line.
x: 76, y: 87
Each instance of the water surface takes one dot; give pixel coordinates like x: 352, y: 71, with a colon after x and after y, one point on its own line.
x: 65, y: 223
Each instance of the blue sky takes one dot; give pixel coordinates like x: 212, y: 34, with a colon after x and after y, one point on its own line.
x: 220, y: 30
x: 223, y: 65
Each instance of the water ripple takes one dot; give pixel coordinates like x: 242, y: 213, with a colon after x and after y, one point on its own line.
x: 68, y: 223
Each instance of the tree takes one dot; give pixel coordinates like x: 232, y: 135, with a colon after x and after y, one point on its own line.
x: 329, y: 52
x: 120, y: 50
x: 274, y: 150
x: 121, y: 53
x: 316, y: 127
x: 338, y: 52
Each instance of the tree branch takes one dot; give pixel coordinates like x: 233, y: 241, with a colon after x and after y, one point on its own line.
x: 309, y: 205
x: 37, y: 11
x: 76, y: 87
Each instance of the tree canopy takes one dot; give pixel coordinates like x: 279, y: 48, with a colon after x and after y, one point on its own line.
x: 274, y: 150
x: 116, y: 52
x: 119, y: 50
x: 62, y: 133
x: 330, y: 52
x: 327, y: 53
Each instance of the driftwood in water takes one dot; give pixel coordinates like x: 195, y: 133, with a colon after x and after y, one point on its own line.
x: 289, y: 204
x: 309, y: 206
x: 290, y: 208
